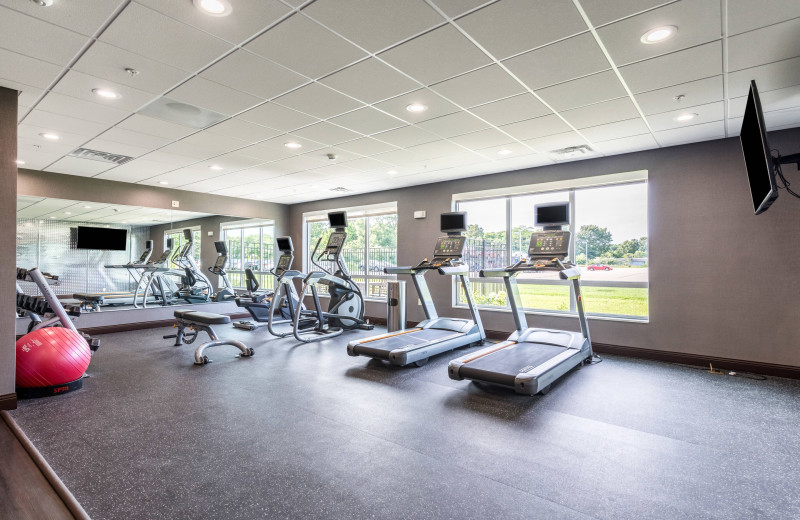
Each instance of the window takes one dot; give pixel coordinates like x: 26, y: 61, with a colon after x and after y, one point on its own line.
x: 370, y: 247
x: 609, y: 243
x: 178, y: 241
x: 251, y: 245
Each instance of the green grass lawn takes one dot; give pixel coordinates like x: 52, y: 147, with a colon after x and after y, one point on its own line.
x: 601, y: 300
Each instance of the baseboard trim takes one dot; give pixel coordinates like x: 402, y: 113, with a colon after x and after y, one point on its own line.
x: 8, y: 401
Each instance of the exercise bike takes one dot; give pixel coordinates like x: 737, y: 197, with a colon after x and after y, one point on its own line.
x: 346, y: 304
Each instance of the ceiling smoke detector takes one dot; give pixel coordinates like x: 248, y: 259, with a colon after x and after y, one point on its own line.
x: 43, y: 3
x: 572, y: 151
x: 341, y: 189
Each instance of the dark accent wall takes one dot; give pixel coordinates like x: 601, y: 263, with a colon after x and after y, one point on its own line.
x: 723, y: 282
x: 8, y: 253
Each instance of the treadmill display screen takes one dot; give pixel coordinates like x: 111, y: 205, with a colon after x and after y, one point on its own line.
x: 335, y: 242
x: 449, y: 246
x: 283, y: 263
x: 555, y: 243
x: 221, y: 261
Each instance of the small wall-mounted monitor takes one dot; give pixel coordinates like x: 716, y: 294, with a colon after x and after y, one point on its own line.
x: 187, y: 234
x: 170, y: 243
x: 284, y: 244
x: 102, y: 238
x: 337, y: 219
x: 148, y: 244
x: 552, y: 214
x: 757, y: 156
x: 453, y: 222
x: 221, y: 248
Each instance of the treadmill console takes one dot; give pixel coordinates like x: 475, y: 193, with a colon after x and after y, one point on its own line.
x: 335, y: 243
x: 448, y: 252
x: 219, y: 265
x: 552, y: 244
x: 283, y: 263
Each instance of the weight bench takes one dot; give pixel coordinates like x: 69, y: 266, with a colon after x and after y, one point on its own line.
x: 202, y: 321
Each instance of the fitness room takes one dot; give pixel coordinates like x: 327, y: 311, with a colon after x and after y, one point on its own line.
x: 275, y: 258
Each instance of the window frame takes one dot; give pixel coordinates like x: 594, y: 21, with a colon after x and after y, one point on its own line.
x: 264, y: 276
x: 508, y: 194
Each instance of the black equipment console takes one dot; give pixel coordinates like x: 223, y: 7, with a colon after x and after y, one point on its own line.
x: 448, y: 252
x: 335, y: 243
x: 550, y: 244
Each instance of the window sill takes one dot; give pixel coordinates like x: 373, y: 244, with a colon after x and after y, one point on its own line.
x: 563, y: 314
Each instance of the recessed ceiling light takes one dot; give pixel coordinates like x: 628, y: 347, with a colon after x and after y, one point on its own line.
x: 684, y: 117
x: 214, y: 7
x: 50, y: 136
x: 52, y: 217
x: 67, y: 213
x: 391, y: 172
x: 87, y: 207
x: 293, y: 145
x: 43, y: 3
x: 215, y: 167
x: 659, y: 34
x: 504, y: 151
x: 107, y: 225
x: 416, y: 108
x: 124, y: 221
x: 105, y: 93
x: 20, y: 162
x: 163, y: 182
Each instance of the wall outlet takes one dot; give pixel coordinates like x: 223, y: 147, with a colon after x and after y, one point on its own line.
x: 419, y: 214
x: 176, y: 204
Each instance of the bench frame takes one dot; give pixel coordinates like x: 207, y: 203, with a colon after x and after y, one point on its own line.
x: 181, y: 337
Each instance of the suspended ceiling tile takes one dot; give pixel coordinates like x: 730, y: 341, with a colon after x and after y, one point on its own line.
x: 511, y: 110
x: 231, y: 162
x: 367, y: 121
x: 452, y: 125
x: 673, y: 69
x: 694, y: 93
x: 276, y: 116
x: 698, y: 22
x: 691, y: 134
x: 370, y: 81
x: 135, y: 171
x: 129, y: 137
x: 247, y: 72
x: 213, y: 96
x: 483, y: 139
x: 367, y: 146
x: 480, y: 86
x: 114, y: 147
x: 327, y: 133
x: 108, y: 62
x: 80, y: 86
x: 616, y: 130
x: 28, y: 94
x: 703, y: 114
x: 601, y: 113
x: 781, y: 99
x: 77, y: 166
x: 773, y: 76
x: 210, y: 143
x: 441, y: 148
x: 601, y: 12
x: 79, y: 109
x: 436, y: 55
x: 509, y: 149
x: 24, y: 34
x: 319, y: 101
x: 406, y: 136
x: 27, y: 70
x: 39, y: 122
x: 367, y: 164
x: 525, y: 25
x: 85, y: 17
x: 436, y: 106
x: 555, y: 142
x: 240, y: 129
x: 548, y: 66
x: 36, y: 159
x: 455, y: 8
x: 746, y: 15
x: 627, y: 144
x: 155, y: 127
x: 247, y: 18
x: 305, y: 47
x: 170, y: 159
x: 28, y: 140
x: 150, y: 33
x: 537, y: 127
x: 774, y: 43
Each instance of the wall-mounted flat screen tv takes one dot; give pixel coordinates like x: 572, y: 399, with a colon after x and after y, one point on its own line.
x: 757, y: 156
x: 102, y: 238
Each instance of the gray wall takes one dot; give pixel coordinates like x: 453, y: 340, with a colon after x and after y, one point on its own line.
x: 8, y: 253
x: 208, y: 253
x: 723, y: 282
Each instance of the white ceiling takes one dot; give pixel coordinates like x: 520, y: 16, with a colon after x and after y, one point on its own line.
x: 336, y: 76
x: 86, y: 211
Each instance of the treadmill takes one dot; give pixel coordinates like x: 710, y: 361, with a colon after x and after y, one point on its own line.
x: 531, y: 359
x: 434, y: 335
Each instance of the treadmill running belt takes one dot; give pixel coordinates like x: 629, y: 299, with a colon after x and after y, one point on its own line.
x: 502, y: 366
x: 384, y: 346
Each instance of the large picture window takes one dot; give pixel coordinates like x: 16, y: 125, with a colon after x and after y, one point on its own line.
x: 251, y: 245
x: 608, y: 241
x: 370, y: 247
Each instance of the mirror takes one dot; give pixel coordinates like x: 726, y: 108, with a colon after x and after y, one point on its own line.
x: 59, y: 236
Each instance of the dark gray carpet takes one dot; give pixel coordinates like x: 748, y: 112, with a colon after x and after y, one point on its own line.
x: 304, y: 431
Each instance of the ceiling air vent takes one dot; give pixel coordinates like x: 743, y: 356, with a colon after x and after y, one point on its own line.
x: 341, y: 189
x: 97, y: 155
x: 572, y: 151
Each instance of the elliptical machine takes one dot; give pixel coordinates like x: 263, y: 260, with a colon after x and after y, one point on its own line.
x: 346, y: 305
x: 226, y: 293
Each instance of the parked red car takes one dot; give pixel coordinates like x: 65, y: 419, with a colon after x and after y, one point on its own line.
x: 599, y: 267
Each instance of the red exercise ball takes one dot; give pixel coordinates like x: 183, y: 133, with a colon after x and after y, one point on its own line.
x: 51, y: 356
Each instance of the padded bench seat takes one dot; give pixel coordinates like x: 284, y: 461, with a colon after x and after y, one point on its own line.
x: 209, y: 318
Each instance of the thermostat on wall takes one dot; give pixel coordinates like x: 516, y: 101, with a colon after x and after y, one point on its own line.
x: 419, y: 214
x: 176, y: 204
x: 211, y: 233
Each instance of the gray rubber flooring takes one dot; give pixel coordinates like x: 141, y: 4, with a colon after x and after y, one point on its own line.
x: 304, y: 431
